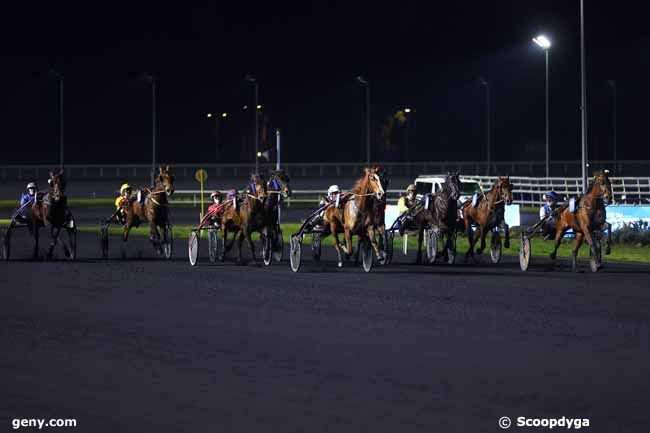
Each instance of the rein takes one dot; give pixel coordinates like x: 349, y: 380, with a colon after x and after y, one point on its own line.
x: 151, y: 193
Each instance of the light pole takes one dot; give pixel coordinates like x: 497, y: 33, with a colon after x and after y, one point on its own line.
x: 544, y: 43
x: 217, y: 118
x: 59, y: 76
x: 152, y: 79
x: 486, y: 84
x: 583, y: 96
x: 253, y: 81
x: 612, y: 83
x: 364, y: 82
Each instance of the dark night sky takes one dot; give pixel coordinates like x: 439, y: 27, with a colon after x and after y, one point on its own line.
x: 424, y: 55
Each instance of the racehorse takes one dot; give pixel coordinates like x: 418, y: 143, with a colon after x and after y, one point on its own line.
x: 357, y: 215
x: 440, y: 212
x: 245, y: 218
x: 489, y: 213
x: 589, y: 216
x: 154, y: 209
x: 57, y: 213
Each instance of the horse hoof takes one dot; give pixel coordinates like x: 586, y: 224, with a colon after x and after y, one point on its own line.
x: 552, y: 256
x: 340, y: 264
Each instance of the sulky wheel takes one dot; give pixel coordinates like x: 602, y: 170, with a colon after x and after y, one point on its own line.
x: 295, y: 254
x: 103, y: 240
x: 316, y: 246
x: 495, y: 248
x: 71, y: 253
x: 451, y: 248
x: 168, y: 242
x: 388, y: 247
x: 214, y: 245
x: 193, y: 247
x: 524, y: 252
x: 267, y: 244
x: 432, y: 245
x: 5, y: 246
x: 278, y: 246
x: 366, y: 254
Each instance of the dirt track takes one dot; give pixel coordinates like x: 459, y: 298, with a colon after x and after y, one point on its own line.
x: 145, y: 345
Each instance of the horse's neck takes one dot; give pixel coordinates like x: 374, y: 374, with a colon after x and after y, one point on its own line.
x: 361, y: 190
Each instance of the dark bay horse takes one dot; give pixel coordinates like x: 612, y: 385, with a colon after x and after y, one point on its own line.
x: 58, y: 214
x: 589, y: 217
x: 154, y: 209
x: 439, y: 212
x: 489, y: 213
x: 357, y: 215
x: 245, y: 218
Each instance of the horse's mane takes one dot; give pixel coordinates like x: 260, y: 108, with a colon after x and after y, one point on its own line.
x: 358, y: 187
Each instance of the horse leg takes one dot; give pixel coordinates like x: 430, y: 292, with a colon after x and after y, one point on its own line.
x: 251, y: 245
x: 506, y: 229
x: 482, y: 233
x: 154, y: 236
x: 240, y: 241
x: 54, y: 235
x: 590, y: 241
x: 418, y: 259
x: 36, y: 235
x: 470, y: 241
x: 608, y: 245
x: 347, y: 248
x: 337, y: 245
x: 559, y: 234
x: 373, y: 241
x: 574, y: 251
x: 125, y: 239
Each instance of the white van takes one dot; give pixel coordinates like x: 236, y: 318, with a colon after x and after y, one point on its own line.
x: 431, y: 183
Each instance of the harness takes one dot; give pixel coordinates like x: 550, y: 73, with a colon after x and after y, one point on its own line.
x: 150, y: 196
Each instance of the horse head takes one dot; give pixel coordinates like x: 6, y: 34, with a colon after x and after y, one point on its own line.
x: 281, y: 180
x: 603, y: 186
x: 373, y: 182
x: 165, y: 180
x: 452, y: 184
x: 505, y: 189
x: 57, y: 185
x: 257, y: 186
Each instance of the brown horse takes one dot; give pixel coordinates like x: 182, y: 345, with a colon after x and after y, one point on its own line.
x: 245, y: 218
x: 357, y: 215
x: 490, y: 213
x: 589, y: 216
x: 154, y: 209
x: 57, y: 213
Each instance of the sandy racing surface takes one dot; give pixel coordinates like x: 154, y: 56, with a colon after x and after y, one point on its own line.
x: 146, y: 345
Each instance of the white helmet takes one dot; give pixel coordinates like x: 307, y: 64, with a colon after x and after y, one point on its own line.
x: 31, y: 185
x: 334, y: 189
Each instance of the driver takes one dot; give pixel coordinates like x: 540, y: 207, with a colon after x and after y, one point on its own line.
x: 216, y: 208
x: 26, y: 197
x: 404, y: 206
x: 122, y: 201
x: 547, y: 210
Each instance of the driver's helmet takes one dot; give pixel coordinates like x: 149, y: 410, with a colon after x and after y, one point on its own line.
x: 551, y: 195
x: 215, y: 195
x: 125, y: 187
x: 32, y: 186
x: 411, y: 189
x: 334, y: 189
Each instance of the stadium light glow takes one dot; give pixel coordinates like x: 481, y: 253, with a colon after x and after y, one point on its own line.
x: 543, y: 42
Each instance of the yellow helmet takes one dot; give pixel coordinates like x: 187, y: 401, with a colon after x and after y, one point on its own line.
x: 411, y: 187
x: 124, y: 187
